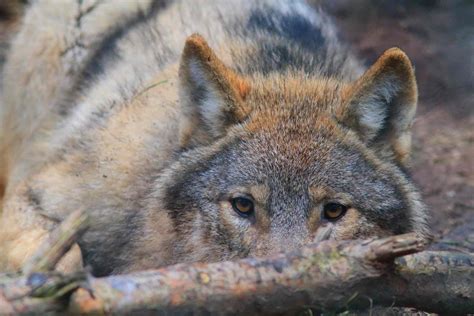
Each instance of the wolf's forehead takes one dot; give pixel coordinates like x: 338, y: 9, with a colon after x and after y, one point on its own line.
x: 298, y: 91
x: 294, y: 148
x: 290, y: 104
x: 294, y: 165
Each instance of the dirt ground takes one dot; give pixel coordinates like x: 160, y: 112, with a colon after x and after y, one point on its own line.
x: 438, y: 36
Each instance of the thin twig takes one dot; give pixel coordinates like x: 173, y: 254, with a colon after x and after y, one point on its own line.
x: 58, y: 244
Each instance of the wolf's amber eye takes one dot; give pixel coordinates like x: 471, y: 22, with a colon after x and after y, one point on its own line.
x: 243, y: 206
x: 334, y: 211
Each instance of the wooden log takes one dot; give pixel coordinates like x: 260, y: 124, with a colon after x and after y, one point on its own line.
x: 329, y: 276
x: 432, y: 281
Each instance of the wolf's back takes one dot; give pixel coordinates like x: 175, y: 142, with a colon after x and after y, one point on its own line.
x: 82, y: 58
x: 43, y: 64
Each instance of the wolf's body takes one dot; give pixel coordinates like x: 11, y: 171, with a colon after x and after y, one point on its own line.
x: 101, y: 110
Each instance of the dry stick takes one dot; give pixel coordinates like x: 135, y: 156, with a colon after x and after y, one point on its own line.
x: 58, y: 244
x: 37, y: 289
x: 326, y: 276
x: 433, y: 281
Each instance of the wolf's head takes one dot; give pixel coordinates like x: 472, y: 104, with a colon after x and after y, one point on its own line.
x: 272, y: 162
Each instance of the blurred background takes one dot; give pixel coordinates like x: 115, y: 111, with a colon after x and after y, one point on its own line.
x: 438, y: 36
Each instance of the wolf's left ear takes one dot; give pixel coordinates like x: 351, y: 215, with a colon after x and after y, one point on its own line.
x: 212, y: 95
x: 381, y: 105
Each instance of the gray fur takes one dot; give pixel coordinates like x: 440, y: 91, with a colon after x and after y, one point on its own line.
x: 162, y: 203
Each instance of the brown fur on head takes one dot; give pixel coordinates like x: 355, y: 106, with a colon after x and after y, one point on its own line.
x: 291, y: 144
x: 379, y: 106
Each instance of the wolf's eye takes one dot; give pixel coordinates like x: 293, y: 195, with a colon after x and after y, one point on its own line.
x: 243, y: 206
x: 334, y: 211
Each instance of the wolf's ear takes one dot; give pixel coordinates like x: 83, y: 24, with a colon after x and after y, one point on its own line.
x: 381, y: 105
x: 212, y: 95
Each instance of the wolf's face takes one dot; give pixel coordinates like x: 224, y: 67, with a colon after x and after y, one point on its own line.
x: 273, y: 163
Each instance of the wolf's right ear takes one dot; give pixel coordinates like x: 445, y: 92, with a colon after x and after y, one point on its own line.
x: 212, y: 95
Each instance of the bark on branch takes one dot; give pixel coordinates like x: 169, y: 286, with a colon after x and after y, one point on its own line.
x: 37, y: 290
x: 329, y: 276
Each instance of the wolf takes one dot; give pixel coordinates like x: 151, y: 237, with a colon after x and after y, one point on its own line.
x: 199, y: 131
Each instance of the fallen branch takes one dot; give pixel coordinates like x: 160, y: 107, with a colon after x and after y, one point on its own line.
x: 432, y: 281
x: 326, y: 277
x: 329, y: 276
